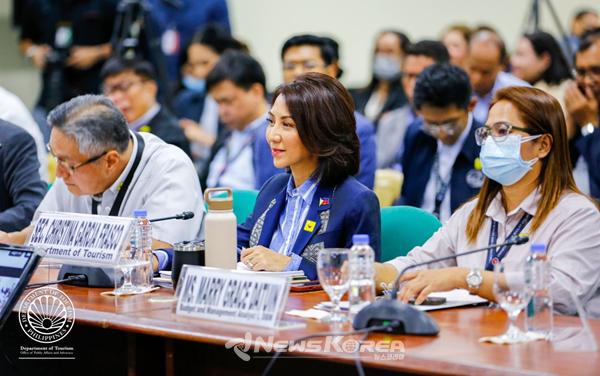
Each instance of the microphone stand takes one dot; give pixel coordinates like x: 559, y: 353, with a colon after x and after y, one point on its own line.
x: 412, y: 320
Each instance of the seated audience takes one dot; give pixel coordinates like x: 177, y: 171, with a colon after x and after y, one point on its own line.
x: 198, y: 112
x: 312, y: 133
x: 393, y: 125
x: 240, y: 158
x: 487, y: 58
x: 131, y: 85
x: 97, y: 153
x: 529, y: 188
x: 439, y: 160
x: 582, y: 99
x: 21, y: 189
x: 309, y: 53
x: 539, y: 60
x: 384, y: 93
x: 456, y: 39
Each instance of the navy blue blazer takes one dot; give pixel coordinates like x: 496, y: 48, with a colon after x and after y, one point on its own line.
x: 417, y: 162
x: 352, y: 209
x: 21, y: 189
x: 588, y: 148
x: 368, y: 153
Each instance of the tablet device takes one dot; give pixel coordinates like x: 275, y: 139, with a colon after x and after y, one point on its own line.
x: 17, y: 265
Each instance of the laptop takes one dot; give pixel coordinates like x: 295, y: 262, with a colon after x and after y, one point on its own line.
x: 17, y: 265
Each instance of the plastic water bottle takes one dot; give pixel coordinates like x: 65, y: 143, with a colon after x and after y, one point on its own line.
x: 362, y: 273
x: 141, y: 241
x: 539, y: 309
x: 220, y: 226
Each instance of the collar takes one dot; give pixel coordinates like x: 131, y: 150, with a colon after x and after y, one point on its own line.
x: 145, y: 118
x: 250, y: 128
x: 305, y: 191
x: 529, y: 205
x: 117, y: 184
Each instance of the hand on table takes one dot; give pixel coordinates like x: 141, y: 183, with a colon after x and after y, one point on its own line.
x: 264, y: 259
x: 4, y: 237
x: 424, y: 282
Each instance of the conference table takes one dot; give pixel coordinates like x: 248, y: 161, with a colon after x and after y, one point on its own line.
x: 141, y: 336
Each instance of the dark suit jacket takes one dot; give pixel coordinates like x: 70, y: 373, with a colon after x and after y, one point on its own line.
x: 588, y: 147
x: 395, y: 99
x: 417, y: 162
x: 352, y: 209
x: 166, y: 127
x: 21, y: 189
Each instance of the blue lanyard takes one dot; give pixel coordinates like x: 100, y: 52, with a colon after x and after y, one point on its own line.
x: 495, y: 255
x: 441, y: 186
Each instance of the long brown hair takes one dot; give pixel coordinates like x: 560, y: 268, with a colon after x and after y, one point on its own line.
x: 542, y: 114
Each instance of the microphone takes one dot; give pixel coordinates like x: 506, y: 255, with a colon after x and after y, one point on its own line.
x: 183, y: 216
x: 412, y: 321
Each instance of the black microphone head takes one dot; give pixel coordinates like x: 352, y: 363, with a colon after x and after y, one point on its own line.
x: 522, y: 239
x: 187, y: 215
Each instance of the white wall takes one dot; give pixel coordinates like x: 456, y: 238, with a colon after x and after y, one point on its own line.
x: 266, y: 24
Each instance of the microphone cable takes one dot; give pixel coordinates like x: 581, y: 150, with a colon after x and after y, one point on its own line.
x: 77, y: 277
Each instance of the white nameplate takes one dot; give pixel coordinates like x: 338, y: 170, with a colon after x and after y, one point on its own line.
x: 81, y: 237
x: 230, y: 296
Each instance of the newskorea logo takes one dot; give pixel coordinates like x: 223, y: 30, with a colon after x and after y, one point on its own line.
x: 46, y: 315
x: 381, y: 350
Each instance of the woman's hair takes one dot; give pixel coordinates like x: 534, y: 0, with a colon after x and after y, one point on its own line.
x: 215, y: 37
x: 558, y: 70
x: 542, y: 114
x: 464, y: 30
x: 404, y: 45
x: 323, y: 111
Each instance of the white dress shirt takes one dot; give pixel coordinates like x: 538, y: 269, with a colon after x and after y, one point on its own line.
x: 233, y: 166
x: 570, y: 233
x: 447, y: 157
x: 165, y: 183
x: 145, y: 118
x: 13, y: 110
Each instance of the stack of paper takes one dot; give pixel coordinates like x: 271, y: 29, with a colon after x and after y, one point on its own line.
x: 298, y: 274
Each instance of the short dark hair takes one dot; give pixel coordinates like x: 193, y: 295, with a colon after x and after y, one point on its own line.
x: 558, y: 70
x: 584, y: 12
x: 404, y: 41
x: 588, y: 38
x: 94, y: 122
x: 335, y: 47
x: 430, y: 48
x: 442, y: 85
x: 327, y: 52
x: 215, y: 37
x: 323, y: 111
x: 238, y: 67
x: 118, y: 65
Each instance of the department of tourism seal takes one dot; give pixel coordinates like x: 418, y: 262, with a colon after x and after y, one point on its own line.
x: 46, y: 315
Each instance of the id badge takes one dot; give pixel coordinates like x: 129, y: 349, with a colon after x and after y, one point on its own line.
x: 170, y: 41
x: 64, y: 35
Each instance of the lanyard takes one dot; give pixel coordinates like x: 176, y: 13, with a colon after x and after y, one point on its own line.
x: 496, y: 254
x: 230, y: 159
x: 114, y: 212
x: 441, y: 186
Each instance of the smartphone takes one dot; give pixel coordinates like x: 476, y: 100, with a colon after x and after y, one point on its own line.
x: 430, y: 301
x: 306, y: 286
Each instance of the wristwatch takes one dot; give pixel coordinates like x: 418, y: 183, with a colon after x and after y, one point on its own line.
x: 474, y: 280
x: 587, y: 129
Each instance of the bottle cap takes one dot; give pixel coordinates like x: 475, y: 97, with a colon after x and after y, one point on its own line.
x: 538, y: 247
x: 221, y: 201
x: 140, y: 213
x: 360, y: 238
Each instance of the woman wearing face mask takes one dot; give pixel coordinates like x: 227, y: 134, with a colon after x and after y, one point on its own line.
x: 198, y: 112
x: 385, y: 92
x: 318, y: 204
x: 540, y: 61
x: 528, y: 189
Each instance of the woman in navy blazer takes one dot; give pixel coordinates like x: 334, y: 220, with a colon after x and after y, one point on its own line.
x: 317, y: 204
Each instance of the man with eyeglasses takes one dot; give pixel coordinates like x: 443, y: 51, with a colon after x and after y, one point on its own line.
x: 131, y: 85
x: 582, y: 99
x: 393, y: 125
x: 440, y: 160
x: 309, y: 53
x: 105, y: 168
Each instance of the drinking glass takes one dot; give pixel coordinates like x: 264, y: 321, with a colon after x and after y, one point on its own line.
x: 129, y: 258
x: 514, y: 300
x: 334, y: 275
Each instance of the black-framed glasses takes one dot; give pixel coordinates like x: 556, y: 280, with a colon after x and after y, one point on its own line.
x: 434, y: 129
x: 70, y: 168
x: 594, y: 72
x: 305, y: 65
x: 498, y: 131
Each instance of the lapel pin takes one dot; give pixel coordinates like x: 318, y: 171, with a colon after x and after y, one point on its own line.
x: 323, y: 201
x: 309, y: 226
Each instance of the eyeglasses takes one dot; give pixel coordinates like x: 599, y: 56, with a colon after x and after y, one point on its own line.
x: 498, y: 131
x: 67, y: 166
x: 594, y: 72
x: 305, y: 65
x: 123, y: 87
x: 449, y: 128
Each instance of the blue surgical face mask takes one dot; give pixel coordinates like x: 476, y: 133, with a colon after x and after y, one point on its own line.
x: 194, y: 84
x: 501, y: 161
x: 386, y: 68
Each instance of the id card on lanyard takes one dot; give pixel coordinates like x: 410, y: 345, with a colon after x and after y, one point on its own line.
x: 495, y: 255
x: 441, y: 186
